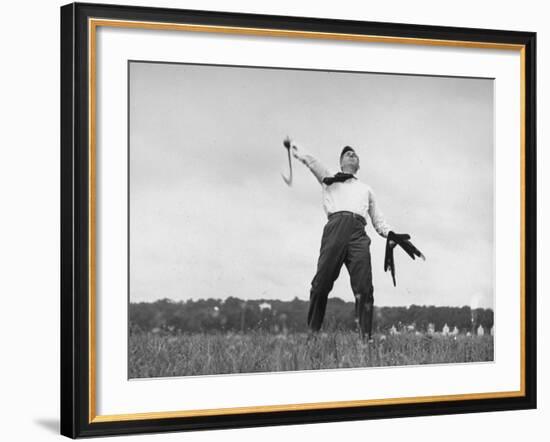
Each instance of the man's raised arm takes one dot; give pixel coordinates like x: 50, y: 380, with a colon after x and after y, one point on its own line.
x: 318, y: 169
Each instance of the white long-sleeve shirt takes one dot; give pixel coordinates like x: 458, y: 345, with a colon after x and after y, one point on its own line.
x: 351, y: 195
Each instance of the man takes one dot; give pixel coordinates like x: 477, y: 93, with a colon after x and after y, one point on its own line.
x: 346, y: 201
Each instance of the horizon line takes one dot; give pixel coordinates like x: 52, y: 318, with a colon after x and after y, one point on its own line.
x: 302, y: 300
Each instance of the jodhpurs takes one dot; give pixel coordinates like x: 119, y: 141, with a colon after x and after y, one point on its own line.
x: 344, y: 242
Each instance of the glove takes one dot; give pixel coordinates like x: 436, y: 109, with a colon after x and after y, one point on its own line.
x: 401, y: 239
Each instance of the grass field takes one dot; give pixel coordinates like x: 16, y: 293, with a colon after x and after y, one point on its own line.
x: 152, y: 355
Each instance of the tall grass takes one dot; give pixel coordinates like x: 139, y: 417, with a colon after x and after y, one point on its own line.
x: 152, y: 355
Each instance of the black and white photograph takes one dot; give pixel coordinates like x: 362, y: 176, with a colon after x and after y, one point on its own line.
x: 293, y: 219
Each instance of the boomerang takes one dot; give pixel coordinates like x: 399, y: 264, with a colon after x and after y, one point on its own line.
x: 288, y: 180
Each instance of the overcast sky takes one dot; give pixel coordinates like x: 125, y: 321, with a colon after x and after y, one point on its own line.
x: 210, y: 215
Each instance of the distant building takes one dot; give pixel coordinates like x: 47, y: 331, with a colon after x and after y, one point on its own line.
x: 480, y: 330
x: 455, y: 331
x: 445, y: 330
x: 393, y: 330
x: 265, y: 306
x: 431, y: 328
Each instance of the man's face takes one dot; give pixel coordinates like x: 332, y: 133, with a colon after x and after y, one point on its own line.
x: 350, y: 160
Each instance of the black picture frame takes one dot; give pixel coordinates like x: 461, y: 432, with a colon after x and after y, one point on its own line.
x: 77, y: 417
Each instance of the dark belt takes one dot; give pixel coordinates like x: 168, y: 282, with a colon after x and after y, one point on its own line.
x: 346, y: 213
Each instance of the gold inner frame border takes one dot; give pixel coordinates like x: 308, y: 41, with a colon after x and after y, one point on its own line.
x: 93, y: 24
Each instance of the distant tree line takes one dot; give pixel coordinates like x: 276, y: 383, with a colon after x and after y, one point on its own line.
x: 236, y: 315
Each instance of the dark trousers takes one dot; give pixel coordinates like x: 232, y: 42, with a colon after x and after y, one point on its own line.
x: 344, y: 242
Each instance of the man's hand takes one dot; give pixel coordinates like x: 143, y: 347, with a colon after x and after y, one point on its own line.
x: 287, y: 142
x: 294, y: 149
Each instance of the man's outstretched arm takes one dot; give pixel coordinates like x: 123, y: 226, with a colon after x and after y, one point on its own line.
x: 316, y: 167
